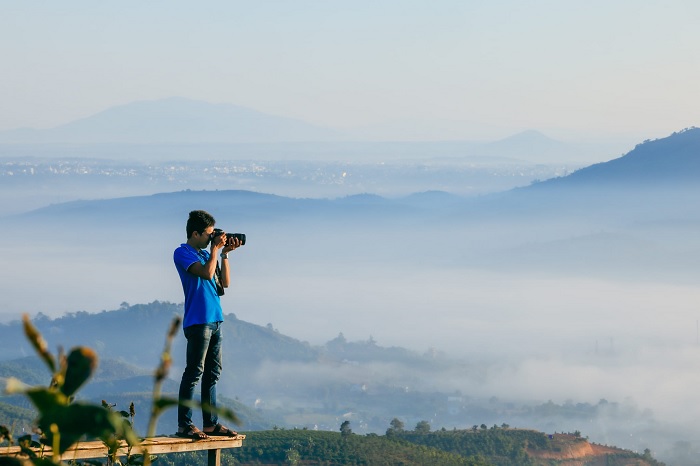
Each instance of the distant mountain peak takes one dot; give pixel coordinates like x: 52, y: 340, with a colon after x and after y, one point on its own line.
x: 530, y: 138
x: 531, y: 145
x: 177, y: 120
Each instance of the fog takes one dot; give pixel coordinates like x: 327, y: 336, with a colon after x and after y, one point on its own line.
x: 567, y: 306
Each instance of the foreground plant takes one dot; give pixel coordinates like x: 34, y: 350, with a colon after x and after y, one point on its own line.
x: 62, y: 421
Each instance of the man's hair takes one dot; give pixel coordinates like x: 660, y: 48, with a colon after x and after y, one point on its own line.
x: 199, y: 221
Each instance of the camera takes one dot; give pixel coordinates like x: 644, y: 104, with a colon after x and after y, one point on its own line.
x: 229, y: 236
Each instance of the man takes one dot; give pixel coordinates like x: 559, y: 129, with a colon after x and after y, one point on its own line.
x: 197, y: 268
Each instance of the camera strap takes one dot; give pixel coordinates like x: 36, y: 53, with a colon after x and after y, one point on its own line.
x: 217, y: 280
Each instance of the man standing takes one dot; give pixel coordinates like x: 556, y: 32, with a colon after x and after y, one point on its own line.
x: 199, y: 273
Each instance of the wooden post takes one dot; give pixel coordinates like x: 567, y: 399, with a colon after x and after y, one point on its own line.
x: 214, y: 457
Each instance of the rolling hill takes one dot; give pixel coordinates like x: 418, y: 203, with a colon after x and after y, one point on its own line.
x: 119, y: 381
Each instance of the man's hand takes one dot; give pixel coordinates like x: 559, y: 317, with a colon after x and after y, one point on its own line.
x: 218, y: 242
x: 234, y: 243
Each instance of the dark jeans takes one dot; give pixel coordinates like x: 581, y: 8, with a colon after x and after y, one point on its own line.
x: 203, y: 361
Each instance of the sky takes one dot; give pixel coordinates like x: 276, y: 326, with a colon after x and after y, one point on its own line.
x: 444, y: 69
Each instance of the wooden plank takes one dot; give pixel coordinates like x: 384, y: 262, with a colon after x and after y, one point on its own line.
x: 155, y: 446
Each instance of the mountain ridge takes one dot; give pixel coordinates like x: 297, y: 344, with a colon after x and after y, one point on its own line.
x: 658, y: 171
x: 182, y: 121
x: 673, y: 159
x: 175, y: 120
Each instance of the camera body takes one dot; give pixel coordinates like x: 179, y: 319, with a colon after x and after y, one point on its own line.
x: 229, y: 236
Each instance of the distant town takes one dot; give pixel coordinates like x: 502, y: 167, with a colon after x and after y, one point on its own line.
x: 294, y: 178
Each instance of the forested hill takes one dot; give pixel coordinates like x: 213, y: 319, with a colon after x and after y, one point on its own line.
x: 656, y: 181
x: 136, y: 335
x: 129, y: 341
x: 475, y: 447
x: 670, y: 161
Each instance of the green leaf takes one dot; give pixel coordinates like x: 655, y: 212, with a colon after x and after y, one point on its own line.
x: 45, y: 399
x: 79, y: 420
x: 38, y: 343
x: 82, y: 362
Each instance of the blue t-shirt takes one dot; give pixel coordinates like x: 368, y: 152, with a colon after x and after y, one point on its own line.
x: 202, y: 303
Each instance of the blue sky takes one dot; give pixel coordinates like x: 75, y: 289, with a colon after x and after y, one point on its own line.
x: 441, y: 69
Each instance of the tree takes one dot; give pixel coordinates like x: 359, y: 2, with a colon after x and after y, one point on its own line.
x: 345, y: 429
x: 423, y: 427
x: 395, y: 426
x: 292, y: 456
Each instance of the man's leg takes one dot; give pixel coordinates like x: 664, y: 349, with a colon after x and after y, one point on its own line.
x: 212, y: 371
x: 198, y: 337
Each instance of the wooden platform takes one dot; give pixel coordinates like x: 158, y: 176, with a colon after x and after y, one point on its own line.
x: 155, y: 446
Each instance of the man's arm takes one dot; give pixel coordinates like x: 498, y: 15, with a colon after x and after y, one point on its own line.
x: 207, y: 270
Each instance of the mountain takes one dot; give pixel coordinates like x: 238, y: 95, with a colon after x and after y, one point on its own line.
x: 138, y: 324
x: 534, y: 146
x: 144, y: 325
x: 665, y: 162
x: 656, y: 180
x: 652, y: 171
x: 175, y: 120
x: 178, y: 128
x: 590, y: 218
x: 262, y: 367
x: 589, y: 222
